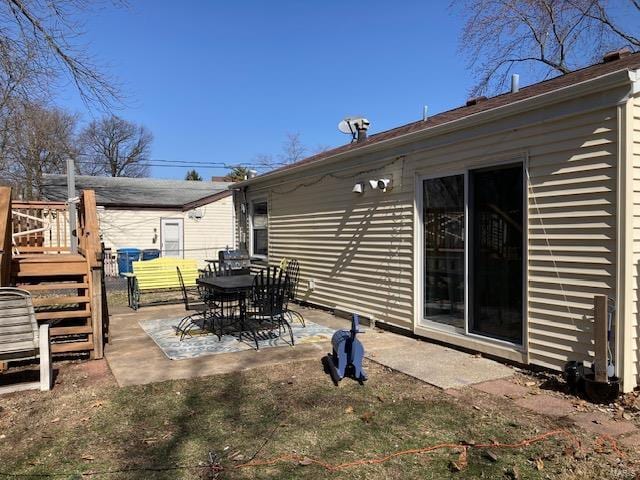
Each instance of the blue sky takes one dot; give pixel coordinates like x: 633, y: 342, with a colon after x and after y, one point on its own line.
x: 225, y: 81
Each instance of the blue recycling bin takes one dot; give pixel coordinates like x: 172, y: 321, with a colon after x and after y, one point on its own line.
x: 125, y: 257
x: 150, y: 253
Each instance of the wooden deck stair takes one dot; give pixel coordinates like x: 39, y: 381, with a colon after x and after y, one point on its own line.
x: 66, y: 287
x: 59, y: 284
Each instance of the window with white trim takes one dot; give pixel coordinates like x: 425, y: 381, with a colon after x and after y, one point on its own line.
x: 260, y: 229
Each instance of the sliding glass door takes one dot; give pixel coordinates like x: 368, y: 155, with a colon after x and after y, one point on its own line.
x: 444, y: 226
x: 496, y: 261
x: 486, y: 262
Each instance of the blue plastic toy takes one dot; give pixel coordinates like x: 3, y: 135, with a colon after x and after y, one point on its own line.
x: 347, y: 352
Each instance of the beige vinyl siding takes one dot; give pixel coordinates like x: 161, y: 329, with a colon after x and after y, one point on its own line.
x: 203, y: 238
x: 359, y: 249
x: 572, y: 236
x: 131, y: 228
x: 213, y: 232
x: 635, y: 323
x: 356, y: 248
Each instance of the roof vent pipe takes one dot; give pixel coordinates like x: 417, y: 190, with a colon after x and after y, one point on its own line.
x: 252, y: 174
x: 515, y: 83
x: 362, y: 134
x: 425, y: 113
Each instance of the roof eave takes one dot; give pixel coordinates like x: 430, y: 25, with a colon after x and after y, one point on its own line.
x: 206, y: 200
x: 592, y: 85
x: 133, y: 206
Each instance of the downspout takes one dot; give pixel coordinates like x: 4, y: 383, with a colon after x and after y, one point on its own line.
x: 234, y: 244
x: 240, y: 218
x: 244, y: 208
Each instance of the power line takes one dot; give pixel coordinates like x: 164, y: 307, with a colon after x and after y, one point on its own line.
x: 193, y: 163
x: 210, y: 165
x: 202, y: 167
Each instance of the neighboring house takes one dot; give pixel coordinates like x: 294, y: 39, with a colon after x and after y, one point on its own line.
x: 186, y: 219
x: 502, y: 220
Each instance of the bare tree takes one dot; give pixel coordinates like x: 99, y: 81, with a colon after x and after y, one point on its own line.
x: 115, y: 147
x: 320, y: 148
x: 293, y: 150
x: 265, y: 161
x: 599, y: 11
x: 36, y: 140
x: 237, y: 174
x: 550, y: 37
x: 38, y: 49
x: 38, y: 45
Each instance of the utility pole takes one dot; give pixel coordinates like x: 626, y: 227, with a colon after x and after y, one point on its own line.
x: 71, y: 195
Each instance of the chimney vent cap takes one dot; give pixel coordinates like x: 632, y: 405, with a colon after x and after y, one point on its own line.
x: 614, y: 55
x: 475, y: 100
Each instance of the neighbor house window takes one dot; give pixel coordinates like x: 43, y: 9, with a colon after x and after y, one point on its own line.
x: 260, y: 224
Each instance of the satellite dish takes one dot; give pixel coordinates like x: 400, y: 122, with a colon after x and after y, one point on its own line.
x: 345, y: 126
x: 351, y: 125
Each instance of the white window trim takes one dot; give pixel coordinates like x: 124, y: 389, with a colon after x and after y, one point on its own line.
x: 251, y: 205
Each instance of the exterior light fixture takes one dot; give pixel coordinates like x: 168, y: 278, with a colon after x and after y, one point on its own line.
x: 384, y: 184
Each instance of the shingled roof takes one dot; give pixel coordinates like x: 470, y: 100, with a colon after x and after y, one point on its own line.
x: 621, y: 60
x: 137, y: 192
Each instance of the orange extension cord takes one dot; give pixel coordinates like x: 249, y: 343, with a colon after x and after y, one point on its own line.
x: 462, y: 448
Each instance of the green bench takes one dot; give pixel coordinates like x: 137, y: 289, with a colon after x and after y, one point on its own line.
x: 159, y: 275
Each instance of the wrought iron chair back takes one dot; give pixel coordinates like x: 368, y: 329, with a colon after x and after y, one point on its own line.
x: 268, y: 304
x: 214, y: 267
x: 270, y: 291
x: 209, y: 271
x: 189, y: 303
x: 197, y: 320
x: 293, y: 272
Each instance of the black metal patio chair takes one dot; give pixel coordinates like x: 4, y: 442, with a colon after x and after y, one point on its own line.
x: 266, y: 309
x: 293, y: 272
x: 192, y: 303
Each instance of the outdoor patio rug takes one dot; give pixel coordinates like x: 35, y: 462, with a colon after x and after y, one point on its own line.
x: 163, y: 333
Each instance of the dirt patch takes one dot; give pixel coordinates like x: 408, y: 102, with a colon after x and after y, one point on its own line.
x: 626, y: 407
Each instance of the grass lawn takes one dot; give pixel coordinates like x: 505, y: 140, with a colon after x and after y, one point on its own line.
x: 88, y: 424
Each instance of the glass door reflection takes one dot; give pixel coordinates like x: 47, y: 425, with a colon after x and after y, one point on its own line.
x: 496, y: 260
x: 444, y: 243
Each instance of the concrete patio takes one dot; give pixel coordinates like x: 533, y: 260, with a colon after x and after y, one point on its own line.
x: 135, y: 358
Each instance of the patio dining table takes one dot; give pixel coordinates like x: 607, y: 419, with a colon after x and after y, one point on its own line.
x: 235, y: 287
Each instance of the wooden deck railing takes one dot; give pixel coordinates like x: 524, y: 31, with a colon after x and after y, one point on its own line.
x: 40, y: 227
x: 5, y: 236
x: 90, y: 246
x: 89, y: 229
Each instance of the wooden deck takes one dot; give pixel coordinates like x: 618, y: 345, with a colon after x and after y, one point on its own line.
x: 66, y: 287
